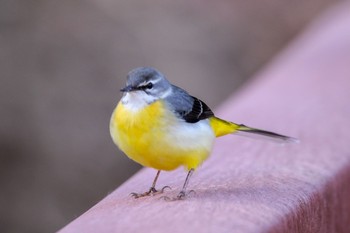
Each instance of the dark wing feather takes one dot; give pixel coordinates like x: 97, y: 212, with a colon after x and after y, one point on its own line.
x: 199, y: 111
x: 187, y: 107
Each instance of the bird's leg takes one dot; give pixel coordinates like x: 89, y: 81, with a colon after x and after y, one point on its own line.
x: 152, y: 190
x: 182, y: 194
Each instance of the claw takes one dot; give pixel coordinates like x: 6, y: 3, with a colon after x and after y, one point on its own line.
x: 191, y: 191
x: 166, y: 198
x: 181, y: 196
x: 133, y: 194
x: 165, y: 187
x: 152, y: 191
x: 137, y: 195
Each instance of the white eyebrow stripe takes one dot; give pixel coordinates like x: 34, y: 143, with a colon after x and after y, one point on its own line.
x: 149, y: 81
x: 142, y: 84
x: 155, y: 80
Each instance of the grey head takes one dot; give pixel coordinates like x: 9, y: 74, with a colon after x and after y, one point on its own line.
x: 145, y: 85
x: 148, y: 81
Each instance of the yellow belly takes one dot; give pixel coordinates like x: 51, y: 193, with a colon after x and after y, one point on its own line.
x: 155, y: 138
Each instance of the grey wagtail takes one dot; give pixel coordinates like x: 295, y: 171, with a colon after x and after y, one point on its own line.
x: 160, y: 125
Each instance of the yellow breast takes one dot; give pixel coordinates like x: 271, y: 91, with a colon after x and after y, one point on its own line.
x: 154, y: 137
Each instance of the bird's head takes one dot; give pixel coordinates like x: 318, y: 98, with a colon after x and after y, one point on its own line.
x: 145, y: 84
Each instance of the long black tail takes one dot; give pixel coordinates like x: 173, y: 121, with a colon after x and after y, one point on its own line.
x: 263, y: 134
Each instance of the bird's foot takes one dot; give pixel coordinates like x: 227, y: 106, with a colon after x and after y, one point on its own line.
x: 151, y: 192
x: 181, y: 196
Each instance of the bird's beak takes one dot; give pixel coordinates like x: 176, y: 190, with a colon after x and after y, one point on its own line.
x: 127, y: 88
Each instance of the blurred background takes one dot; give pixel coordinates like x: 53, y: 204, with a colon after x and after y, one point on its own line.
x: 62, y: 64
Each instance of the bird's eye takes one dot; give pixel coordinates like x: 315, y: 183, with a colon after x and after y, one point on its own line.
x: 149, y: 85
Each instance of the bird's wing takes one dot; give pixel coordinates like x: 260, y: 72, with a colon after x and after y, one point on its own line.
x: 199, y: 111
x: 187, y: 107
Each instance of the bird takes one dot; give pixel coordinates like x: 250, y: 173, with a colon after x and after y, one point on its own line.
x: 161, y: 126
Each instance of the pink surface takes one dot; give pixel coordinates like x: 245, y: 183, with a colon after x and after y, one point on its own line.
x: 256, y: 186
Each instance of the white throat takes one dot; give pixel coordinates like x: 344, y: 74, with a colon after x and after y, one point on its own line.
x: 136, y: 101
